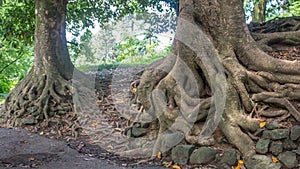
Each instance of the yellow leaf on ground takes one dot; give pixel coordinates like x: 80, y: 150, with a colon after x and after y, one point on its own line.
x: 134, y: 89
x: 241, y: 162
x: 176, y: 167
x: 274, y: 159
x: 167, y: 164
x: 158, y: 155
x: 262, y: 124
x: 237, y: 167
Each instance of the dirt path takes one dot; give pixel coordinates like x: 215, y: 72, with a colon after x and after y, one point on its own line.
x: 21, y: 149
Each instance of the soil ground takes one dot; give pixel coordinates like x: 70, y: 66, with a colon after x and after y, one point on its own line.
x: 22, y: 149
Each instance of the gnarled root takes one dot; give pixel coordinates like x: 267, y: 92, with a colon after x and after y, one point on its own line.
x: 249, y: 96
x: 45, y: 100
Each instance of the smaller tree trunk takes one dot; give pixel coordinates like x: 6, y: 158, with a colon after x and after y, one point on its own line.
x: 46, y: 94
x: 259, y: 11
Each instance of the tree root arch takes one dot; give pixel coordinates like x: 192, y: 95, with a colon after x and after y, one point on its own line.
x: 43, y: 100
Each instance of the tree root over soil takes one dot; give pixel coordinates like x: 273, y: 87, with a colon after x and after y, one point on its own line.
x: 49, y: 102
x: 202, y: 91
x: 252, y: 88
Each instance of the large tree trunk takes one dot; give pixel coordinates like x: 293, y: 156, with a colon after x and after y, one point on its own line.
x: 217, y: 72
x: 46, y: 92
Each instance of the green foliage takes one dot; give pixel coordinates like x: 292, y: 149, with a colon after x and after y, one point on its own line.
x: 16, y: 59
x: 104, y: 44
x: 77, y: 50
x: 274, y: 8
x: 291, y: 9
x: 278, y: 9
x: 131, y: 38
x: 17, y: 31
x: 17, y: 20
x: 16, y: 42
x: 17, y: 25
x: 159, y: 22
x: 133, y: 48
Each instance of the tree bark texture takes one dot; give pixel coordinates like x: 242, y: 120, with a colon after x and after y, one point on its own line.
x: 219, y: 74
x: 259, y: 11
x: 45, y: 94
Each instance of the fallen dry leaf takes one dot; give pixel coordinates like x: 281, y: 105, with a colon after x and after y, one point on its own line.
x: 262, y: 124
x: 240, y: 165
x: 158, y: 155
x: 167, y: 164
x: 110, y: 147
x: 237, y: 167
x: 241, y: 162
x: 31, y: 159
x: 176, y: 167
x: 95, y: 124
x: 134, y: 90
x: 274, y: 159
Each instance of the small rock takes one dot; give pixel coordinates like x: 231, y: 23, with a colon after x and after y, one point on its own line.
x: 145, y: 125
x: 262, y: 146
x: 297, y: 151
x: 289, y: 159
x: 169, y: 140
x: 181, y: 153
x: 276, y: 147
x: 295, y: 132
x: 138, y: 132
x: 260, y: 162
x: 135, y: 131
x: 29, y: 121
x: 272, y: 125
x: 266, y: 134
x: 229, y: 157
x: 124, y: 165
x: 278, y: 134
x: 289, y: 144
x: 203, y: 155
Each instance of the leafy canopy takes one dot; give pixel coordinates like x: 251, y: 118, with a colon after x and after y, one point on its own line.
x: 17, y: 24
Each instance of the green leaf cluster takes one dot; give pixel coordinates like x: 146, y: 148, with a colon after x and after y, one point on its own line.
x: 274, y: 8
x: 292, y: 9
x: 16, y: 59
x: 16, y: 41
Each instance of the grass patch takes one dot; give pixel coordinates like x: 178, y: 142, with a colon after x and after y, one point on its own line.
x: 90, y: 67
x: 124, y: 63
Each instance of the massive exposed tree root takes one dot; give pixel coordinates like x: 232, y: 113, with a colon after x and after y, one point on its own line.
x: 49, y: 100
x: 257, y: 86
